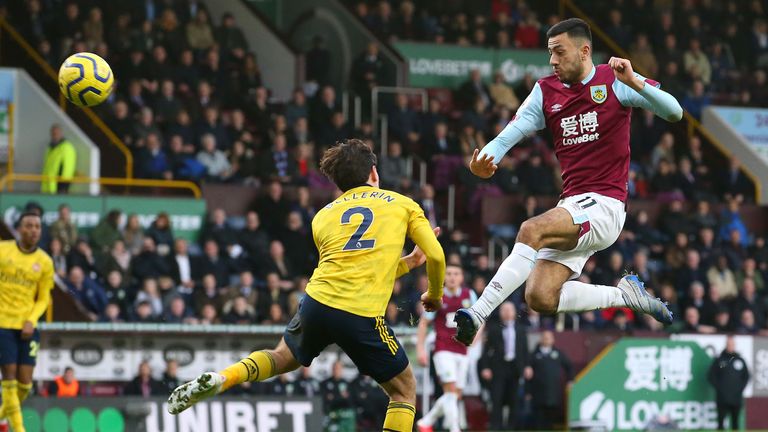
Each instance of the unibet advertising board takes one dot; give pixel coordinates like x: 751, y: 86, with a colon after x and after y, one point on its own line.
x: 187, y: 214
x: 132, y: 414
x: 638, y: 379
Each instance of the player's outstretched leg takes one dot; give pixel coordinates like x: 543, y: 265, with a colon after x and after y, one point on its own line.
x: 630, y: 292
x: 258, y: 366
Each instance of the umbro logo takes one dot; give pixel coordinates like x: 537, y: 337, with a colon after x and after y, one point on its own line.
x: 555, y: 107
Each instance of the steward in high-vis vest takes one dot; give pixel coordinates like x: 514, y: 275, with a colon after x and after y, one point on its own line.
x: 64, y: 386
x: 60, y: 160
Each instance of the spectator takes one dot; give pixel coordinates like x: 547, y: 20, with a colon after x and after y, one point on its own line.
x: 367, y: 70
x: 217, y: 229
x: 240, y: 312
x: 504, y: 361
x: 82, y: 256
x: 695, y: 102
x: 56, y: 252
x: 729, y: 375
x: 274, y: 295
x: 199, y: 32
x: 721, y: 276
x: 749, y: 270
x: 170, y: 378
x: 473, y: 89
x: 502, y: 94
x: 278, y: 164
x: 697, y: 64
x: 87, y: 292
x: 403, y: 121
x: 184, y: 268
x: 318, y: 62
x: 735, y: 183
x: 63, y: 229
x: 116, y: 290
x: 148, y: 263
x: 152, y: 162
x: 273, y: 207
x: 215, y: 161
x: 60, y: 161
x: 149, y: 293
x: 177, y: 312
x: 335, y: 390
x: 161, y: 232
x: 230, y: 37
x: 643, y: 57
x: 254, y: 239
x: 279, y: 263
x: 748, y: 300
x: 65, y: 385
x: 216, y: 263
x: 299, y: 246
x: 118, y: 259
x: 245, y: 287
x: 133, y: 234
x: 208, y: 294
x: 144, y: 385
x: 548, y: 367
x: 106, y: 233
x: 297, y: 108
x: 528, y: 33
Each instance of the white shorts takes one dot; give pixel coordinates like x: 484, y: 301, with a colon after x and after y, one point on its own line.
x: 601, y: 219
x: 451, y: 367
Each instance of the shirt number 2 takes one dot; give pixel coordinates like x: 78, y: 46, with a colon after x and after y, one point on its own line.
x: 355, y: 242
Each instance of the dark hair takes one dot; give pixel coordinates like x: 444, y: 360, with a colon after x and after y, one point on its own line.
x: 26, y: 214
x: 574, y: 27
x: 348, y: 164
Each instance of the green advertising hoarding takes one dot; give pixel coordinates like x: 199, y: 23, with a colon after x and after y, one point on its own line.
x: 636, y: 380
x: 437, y: 65
x: 187, y: 214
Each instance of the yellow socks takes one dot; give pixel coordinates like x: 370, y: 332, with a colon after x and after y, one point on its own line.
x: 11, y: 405
x: 258, y: 366
x: 399, y: 417
x: 24, y: 390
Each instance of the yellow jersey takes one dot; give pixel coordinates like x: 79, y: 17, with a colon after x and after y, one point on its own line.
x: 360, y: 237
x: 26, y: 280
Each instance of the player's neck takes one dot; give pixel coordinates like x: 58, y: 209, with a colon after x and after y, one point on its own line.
x: 26, y: 248
x: 586, y: 72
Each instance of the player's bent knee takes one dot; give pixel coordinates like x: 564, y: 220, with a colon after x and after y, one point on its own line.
x: 531, y: 234
x: 402, y: 388
x: 542, y: 301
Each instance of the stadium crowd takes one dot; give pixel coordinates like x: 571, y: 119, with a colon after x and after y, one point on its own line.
x: 191, y: 104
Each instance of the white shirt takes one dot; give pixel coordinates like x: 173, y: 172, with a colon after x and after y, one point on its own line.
x: 185, y: 270
x: 510, y: 337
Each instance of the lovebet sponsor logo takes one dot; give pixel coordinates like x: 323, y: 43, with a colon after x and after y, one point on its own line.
x: 637, y: 380
x: 636, y: 415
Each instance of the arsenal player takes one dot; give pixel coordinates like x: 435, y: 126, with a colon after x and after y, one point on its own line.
x: 451, y: 362
x: 588, y: 109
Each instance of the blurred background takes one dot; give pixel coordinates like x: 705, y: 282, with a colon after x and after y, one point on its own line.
x: 182, y: 237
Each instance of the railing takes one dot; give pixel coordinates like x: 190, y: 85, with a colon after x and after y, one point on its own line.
x: 692, y: 124
x: 85, y: 117
x: 7, y: 182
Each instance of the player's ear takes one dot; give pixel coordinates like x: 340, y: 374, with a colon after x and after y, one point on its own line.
x: 585, y: 51
x: 373, y: 177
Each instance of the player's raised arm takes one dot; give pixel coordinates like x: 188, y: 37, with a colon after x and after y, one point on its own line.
x: 529, y: 119
x: 634, y: 90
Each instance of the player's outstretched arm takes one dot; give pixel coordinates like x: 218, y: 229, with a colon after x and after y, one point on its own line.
x: 529, y: 119
x: 642, y: 95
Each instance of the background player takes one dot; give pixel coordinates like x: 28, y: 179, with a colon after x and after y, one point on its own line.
x: 360, y: 238
x: 450, y: 357
x: 588, y: 109
x: 26, y: 279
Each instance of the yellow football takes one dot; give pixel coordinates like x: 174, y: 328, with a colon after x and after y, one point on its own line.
x: 86, y: 79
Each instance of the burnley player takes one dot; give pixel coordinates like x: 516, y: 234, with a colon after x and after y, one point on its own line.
x: 451, y: 362
x: 588, y: 110
x: 360, y: 237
